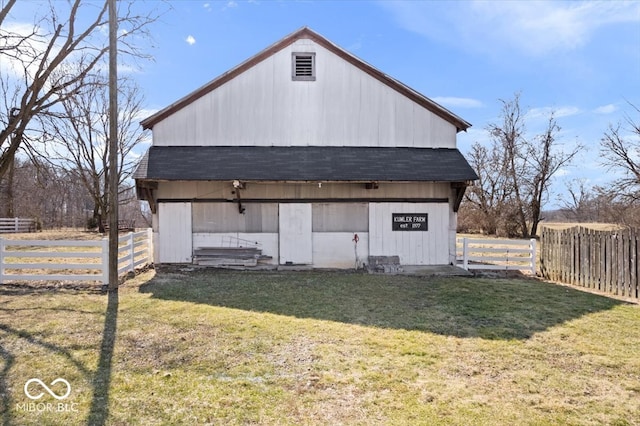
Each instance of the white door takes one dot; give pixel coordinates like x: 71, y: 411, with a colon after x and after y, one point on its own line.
x: 174, y: 233
x: 295, y: 234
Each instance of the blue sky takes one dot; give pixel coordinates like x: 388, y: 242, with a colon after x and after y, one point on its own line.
x: 579, y: 59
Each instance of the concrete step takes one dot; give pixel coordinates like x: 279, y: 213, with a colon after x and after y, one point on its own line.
x: 226, y: 262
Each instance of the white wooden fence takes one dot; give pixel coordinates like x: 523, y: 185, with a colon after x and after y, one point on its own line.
x: 497, y: 255
x: 55, y: 260
x: 16, y: 224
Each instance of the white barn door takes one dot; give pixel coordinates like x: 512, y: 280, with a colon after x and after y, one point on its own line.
x: 296, y: 246
x: 429, y: 247
x: 175, y: 233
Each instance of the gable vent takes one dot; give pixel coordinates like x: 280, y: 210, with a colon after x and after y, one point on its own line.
x: 304, y: 66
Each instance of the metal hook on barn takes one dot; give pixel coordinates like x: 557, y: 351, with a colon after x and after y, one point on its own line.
x: 355, y: 240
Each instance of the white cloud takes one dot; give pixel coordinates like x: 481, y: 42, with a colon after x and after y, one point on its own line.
x: 534, y: 28
x: 33, y: 46
x: 190, y: 40
x: 606, y: 109
x: 145, y: 113
x: 232, y: 3
x: 450, y: 101
x: 558, y: 112
x: 566, y: 111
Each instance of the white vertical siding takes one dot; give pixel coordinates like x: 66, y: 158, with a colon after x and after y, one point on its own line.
x: 174, y: 243
x: 344, y: 106
x: 430, y: 247
x: 295, y: 234
x: 338, y: 250
x: 453, y: 229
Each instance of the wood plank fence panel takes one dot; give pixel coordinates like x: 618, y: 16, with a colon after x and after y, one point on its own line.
x: 16, y: 224
x: 497, y: 254
x: 601, y: 260
x: 135, y: 250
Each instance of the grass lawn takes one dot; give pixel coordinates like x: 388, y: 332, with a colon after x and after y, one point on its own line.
x: 222, y: 347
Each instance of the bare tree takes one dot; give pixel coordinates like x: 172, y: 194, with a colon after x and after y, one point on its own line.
x: 515, y: 172
x: 509, y: 136
x: 541, y: 162
x: 621, y: 152
x: 39, y: 78
x: 578, y: 202
x: 489, y: 195
x: 78, y: 139
x: 50, y: 195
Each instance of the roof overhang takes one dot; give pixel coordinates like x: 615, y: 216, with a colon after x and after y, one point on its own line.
x: 304, y: 164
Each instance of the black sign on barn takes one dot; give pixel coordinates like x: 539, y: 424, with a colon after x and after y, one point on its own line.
x: 410, y: 222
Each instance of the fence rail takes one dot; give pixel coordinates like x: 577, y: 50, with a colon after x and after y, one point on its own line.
x: 63, y: 260
x: 497, y: 255
x: 16, y: 224
x: 606, y: 261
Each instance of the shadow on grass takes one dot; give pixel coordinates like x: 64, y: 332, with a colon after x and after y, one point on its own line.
x: 460, y: 307
x: 7, y: 360
x: 99, y: 411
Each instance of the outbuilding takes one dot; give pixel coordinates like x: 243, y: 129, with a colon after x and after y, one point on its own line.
x: 304, y: 155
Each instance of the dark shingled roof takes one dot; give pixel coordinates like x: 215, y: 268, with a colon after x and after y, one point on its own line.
x: 269, y: 163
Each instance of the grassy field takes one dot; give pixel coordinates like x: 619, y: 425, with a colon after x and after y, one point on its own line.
x: 215, y: 347
x: 590, y: 225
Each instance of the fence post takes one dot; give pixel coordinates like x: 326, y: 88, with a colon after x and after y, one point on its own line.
x: 2, y: 245
x: 132, y: 256
x: 105, y: 261
x: 465, y: 260
x: 16, y: 223
x: 532, y: 247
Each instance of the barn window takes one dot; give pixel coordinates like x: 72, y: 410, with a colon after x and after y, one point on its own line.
x: 224, y: 218
x: 340, y: 217
x: 303, y: 66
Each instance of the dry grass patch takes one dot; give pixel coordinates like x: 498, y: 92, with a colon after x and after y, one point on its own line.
x: 590, y: 225
x: 55, y: 234
x: 215, y: 347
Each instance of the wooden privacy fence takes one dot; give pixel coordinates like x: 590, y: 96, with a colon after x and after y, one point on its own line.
x: 16, y: 224
x: 601, y: 260
x: 63, y: 260
x: 497, y: 254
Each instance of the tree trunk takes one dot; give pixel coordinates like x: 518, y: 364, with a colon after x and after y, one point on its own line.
x: 10, y: 208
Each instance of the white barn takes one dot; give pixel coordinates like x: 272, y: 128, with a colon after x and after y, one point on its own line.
x: 310, y: 154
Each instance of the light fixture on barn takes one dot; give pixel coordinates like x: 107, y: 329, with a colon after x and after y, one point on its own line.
x: 371, y: 185
x: 238, y: 186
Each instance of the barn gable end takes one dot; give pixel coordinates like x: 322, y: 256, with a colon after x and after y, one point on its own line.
x: 315, y: 151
